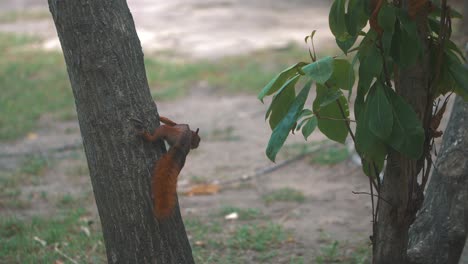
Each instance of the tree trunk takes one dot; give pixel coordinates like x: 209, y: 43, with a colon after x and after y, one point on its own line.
x: 400, y: 191
x: 106, y: 70
x: 439, y: 233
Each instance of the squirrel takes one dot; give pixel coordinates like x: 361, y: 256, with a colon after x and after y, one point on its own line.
x: 166, y: 170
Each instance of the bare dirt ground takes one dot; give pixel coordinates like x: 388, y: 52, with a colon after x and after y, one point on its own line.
x: 234, y: 134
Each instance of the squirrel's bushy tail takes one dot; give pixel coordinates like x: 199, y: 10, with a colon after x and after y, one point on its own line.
x: 164, y: 185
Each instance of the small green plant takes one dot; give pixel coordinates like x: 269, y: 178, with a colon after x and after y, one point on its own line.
x: 258, y: 238
x: 66, y: 200
x: 34, y: 165
x: 329, y: 253
x: 406, y: 60
x: 284, y: 195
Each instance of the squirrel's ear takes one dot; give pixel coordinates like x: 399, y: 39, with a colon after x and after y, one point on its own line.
x: 196, y: 132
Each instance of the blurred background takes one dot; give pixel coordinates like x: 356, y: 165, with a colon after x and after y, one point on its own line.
x: 205, y: 62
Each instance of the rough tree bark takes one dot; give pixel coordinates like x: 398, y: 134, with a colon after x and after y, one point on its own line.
x: 106, y: 70
x: 399, y: 188
x: 439, y: 233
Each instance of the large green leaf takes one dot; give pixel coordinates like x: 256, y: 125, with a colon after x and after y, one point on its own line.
x: 387, y: 19
x: 282, y: 101
x: 330, y: 119
x: 356, y: 18
x: 407, y: 133
x: 281, y: 131
x: 381, y: 119
x: 406, y: 46
x: 367, y: 143
x: 343, y: 75
x: 320, y: 71
x: 276, y: 83
x: 337, y: 20
x: 371, y: 62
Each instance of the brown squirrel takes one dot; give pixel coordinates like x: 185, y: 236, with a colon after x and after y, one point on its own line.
x: 167, y: 168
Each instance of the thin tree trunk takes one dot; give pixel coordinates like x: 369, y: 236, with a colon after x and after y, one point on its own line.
x: 439, y: 232
x: 105, y: 66
x: 399, y: 188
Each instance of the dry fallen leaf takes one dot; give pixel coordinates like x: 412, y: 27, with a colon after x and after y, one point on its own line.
x: 58, y: 261
x: 203, y: 189
x: 32, y: 136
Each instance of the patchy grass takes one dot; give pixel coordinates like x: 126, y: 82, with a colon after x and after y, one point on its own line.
x: 331, y: 155
x: 235, y: 74
x: 25, y: 15
x: 27, y: 241
x: 33, y: 82
x: 34, y: 165
x: 232, y: 242
x: 257, y: 237
x: 284, y: 195
x: 342, y: 252
x: 225, y: 134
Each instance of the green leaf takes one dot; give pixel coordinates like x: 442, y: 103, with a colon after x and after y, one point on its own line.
x: 372, y: 166
x: 387, y: 17
x: 304, y: 113
x: 309, y: 127
x: 367, y: 143
x: 356, y: 19
x: 459, y: 73
x: 407, y: 133
x: 329, y: 118
x: 282, y: 101
x: 406, y: 42
x: 337, y: 20
x: 346, y: 43
x: 343, y: 75
x: 371, y: 62
x: 281, y: 131
x: 320, y: 71
x: 453, y: 47
x: 381, y: 119
x: 330, y: 96
x: 278, y: 82
x: 353, y: 63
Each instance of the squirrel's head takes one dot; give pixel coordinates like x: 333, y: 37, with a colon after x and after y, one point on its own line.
x: 195, y: 139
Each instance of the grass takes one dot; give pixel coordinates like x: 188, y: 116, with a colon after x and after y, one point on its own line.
x: 340, y: 252
x: 28, y: 15
x: 257, y: 237
x: 284, y: 195
x: 27, y: 241
x: 331, y: 155
x: 33, y: 83
x: 244, y: 214
x: 231, y: 242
